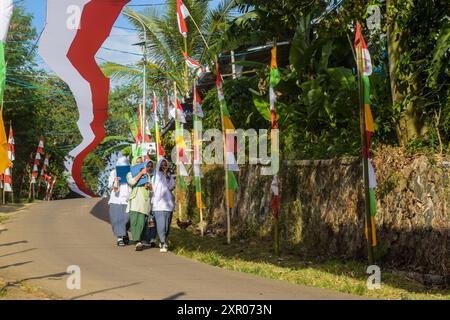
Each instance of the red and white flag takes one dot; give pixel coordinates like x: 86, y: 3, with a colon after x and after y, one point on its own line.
x: 193, y: 64
x: 11, y: 154
x: 8, y: 182
x: 182, y: 15
x: 179, y: 112
x: 40, y: 149
x: 198, y: 105
x: 68, y: 45
x: 367, y: 62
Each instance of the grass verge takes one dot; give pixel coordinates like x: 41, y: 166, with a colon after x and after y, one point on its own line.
x: 257, y: 257
x: 22, y: 291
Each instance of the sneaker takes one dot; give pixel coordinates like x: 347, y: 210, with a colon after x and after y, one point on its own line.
x: 164, y: 248
x: 120, y: 243
x: 126, y: 240
x: 139, y: 246
x: 152, y: 243
x: 147, y: 244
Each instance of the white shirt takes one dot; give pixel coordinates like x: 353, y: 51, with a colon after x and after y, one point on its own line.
x: 162, y: 193
x: 121, y: 196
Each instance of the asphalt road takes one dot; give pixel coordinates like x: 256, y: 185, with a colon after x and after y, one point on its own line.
x: 43, y: 240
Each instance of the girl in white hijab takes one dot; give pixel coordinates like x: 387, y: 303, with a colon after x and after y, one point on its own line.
x: 118, y: 202
x: 163, y: 201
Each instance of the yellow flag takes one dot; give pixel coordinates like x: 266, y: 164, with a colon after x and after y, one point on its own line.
x: 370, y: 125
x: 4, y: 161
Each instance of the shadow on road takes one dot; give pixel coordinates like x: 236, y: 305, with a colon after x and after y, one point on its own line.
x: 104, y: 290
x: 15, y: 264
x: 17, y: 252
x: 101, y: 210
x: 53, y: 276
x: 12, y: 243
x: 175, y: 296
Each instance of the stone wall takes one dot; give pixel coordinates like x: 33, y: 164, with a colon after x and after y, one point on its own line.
x: 322, y: 208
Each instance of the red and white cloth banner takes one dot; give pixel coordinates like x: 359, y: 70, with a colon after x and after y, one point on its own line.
x: 372, y: 178
x: 193, y: 64
x: 230, y: 150
x: 7, y: 180
x: 198, y: 107
x: 182, y: 15
x: 45, y: 165
x: 179, y: 112
x: 40, y: 150
x: 74, y: 32
x: 367, y: 61
x: 11, y: 153
x: 275, y: 202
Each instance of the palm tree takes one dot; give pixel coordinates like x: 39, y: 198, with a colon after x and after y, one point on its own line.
x: 165, y: 44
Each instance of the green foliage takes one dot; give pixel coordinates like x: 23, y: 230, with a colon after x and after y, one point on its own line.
x: 239, y: 100
x: 422, y: 76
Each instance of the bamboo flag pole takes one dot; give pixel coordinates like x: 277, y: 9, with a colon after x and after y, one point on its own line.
x: 186, y: 69
x: 227, y: 196
x: 198, y: 29
x: 155, y: 116
x: 3, y: 190
x: 11, y: 169
x: 277, y: 228
x: 362, y: 117
x: 198, y: 151
x: 177, y: 132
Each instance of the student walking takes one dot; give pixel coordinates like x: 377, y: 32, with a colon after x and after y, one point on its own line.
x: 118, y: 201
x: 163, y: 201
x: 139, y: 204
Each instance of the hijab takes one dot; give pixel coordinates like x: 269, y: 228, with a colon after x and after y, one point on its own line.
x: 122, y: 161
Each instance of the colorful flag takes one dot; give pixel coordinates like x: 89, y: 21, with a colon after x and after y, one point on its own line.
x: 4, y: 160
x: 232, y: 188
x: 182, y: 15
x: 369, y: 127
x: 6, y: 11
x: 159, y: 148
x: 230, y: 161
x: 198, y: 113
x: 11, y: 153
x: 139, y: 124
x: 275, y: 78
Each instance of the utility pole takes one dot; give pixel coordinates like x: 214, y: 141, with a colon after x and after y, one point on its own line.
x: 144, y: 85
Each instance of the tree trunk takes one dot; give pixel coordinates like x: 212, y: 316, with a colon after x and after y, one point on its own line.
x: 410, y: 125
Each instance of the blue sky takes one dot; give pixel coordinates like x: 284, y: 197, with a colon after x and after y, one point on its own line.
x: 119, y: 39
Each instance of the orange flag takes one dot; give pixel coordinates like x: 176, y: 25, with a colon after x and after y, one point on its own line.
x: 4, y: 161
